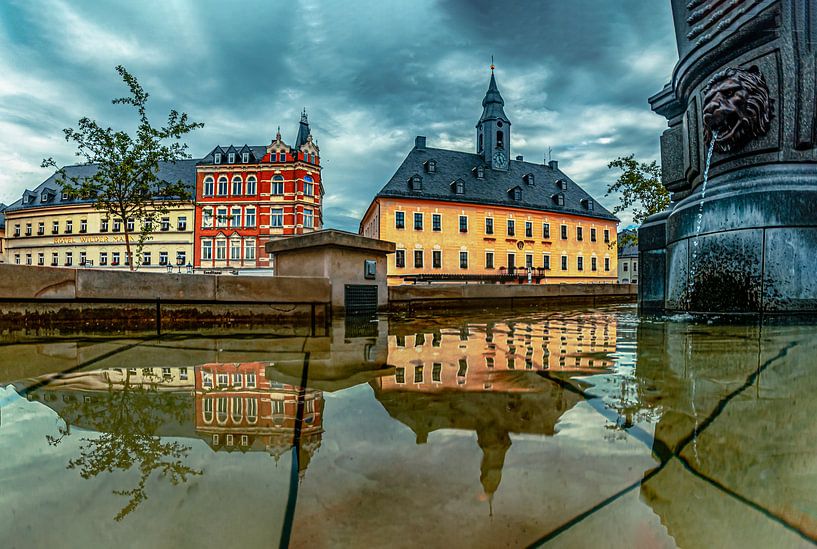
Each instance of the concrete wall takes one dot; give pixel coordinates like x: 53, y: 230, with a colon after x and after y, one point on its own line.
x: 340, y: 265
x: 20, y: 282
x: 502, y: 295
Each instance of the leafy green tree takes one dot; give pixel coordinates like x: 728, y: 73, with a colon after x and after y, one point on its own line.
x: 640, y: 189
x: 126, y: 184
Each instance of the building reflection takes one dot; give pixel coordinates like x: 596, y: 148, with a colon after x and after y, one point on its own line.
x: 496, y: 379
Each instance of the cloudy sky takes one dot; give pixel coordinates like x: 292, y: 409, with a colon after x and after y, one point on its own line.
x: 575, y: 76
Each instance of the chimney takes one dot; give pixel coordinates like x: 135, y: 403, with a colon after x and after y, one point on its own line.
x: 553, y: 164
x: 420, y: 142
x: 520, y: 158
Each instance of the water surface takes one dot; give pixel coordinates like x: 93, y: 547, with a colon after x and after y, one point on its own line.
x: 572, y: 428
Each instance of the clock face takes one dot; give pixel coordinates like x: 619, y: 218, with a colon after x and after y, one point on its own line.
x: 499, y: 159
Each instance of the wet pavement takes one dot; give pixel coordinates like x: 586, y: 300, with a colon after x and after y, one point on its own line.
x: 568, y: 429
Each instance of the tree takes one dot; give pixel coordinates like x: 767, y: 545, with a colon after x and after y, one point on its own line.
x: 126, y: 184
x: 641, y: 189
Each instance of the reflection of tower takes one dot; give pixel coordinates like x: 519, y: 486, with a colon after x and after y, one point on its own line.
x: 494, y: 445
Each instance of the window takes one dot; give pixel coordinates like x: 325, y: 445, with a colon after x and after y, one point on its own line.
x: 463, y: 224
x: 500, y: 139
x: 546, y: 262
x: 237, y: 186
x: 206, y: 218
x: 103, y: 258
x: 559, y: 198
x: 245, y: 157
x: 459, y: 186
x: 593, y: 264
x: 436, y: 222
x: 309, y: 218
x: 564, y: 232
x: 221, y: 408
x: 436, y: 259
x: 635, y: 265
x: 529, y: 261
x: 163, y: 258
x: 235, y: 249
x: 221, y: 217
x: 17, y: 230
x: 282, y: 157
x: 418, y: 374
x: 148, y: 224
x: 55, y: 259
x: 251, y: 185
x: 69, y: 227
x: 40, y: 258
x: 517, y: 194
x: 580, y: 263
x: 83, y: 225
x: 235, y: 217
x: 606, y: 236
x: 624, y: 266
x: 309, y: 187
x: 418, y: 221
x: 400, y: 375
x: 222, y: 186
x: 579, y: 233
x: 418, y: 259
x: 489, y: 260
x: 592, y: 234
x: 511, y: 261
x: 207, y: 249
x: 208, y: 187
x: 252, y: 409
x: 564, y: 262
x: 28, y: 229
x: 399, y: 220
x: 103, y: 225
x: 117, y: 225
x: 69, y: 259
x: 181, y: 257
x: 606, y: 263
x: 249, y: 217
x: 277, y: 185
x: 221, y: 249
x: 182, y: 224
x: 207, y: 413
x: 114, y: 258
x: 146, y: 258
x: 217, y: 158
x: 249, y: 249
x: 130, y: 224
x: 40, y: 228
x: 277, y: 218
x: 28, y: 259
x: 251, y: 380
x: 463, y: 260
x: 55, y: 228
x: 489, y: 225
x: 436, y: 372
x: 165, y: 224
x: 528, y: 229
x: 511, y: 227
x: 230, y: 158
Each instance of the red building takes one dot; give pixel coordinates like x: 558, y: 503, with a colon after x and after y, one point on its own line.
x: 247, y: 195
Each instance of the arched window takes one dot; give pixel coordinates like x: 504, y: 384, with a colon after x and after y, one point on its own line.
x: 500, y: 139
x: 252, y: 409
x: 207, y: 189
x: 238, y: 409
x: 221, y: 409
x: 277, y: 185
x: 207, y: 410
x: 251, y: 185
x: 222, y: 186
x: 236, y: 185
x: 309, y: 187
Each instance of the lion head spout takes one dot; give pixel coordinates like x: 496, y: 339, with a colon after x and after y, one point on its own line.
x: 736, y: 107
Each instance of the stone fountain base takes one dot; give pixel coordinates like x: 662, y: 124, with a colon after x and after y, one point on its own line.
x: 756, y: 251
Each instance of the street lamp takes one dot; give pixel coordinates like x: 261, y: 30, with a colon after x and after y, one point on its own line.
x: 189, y: 268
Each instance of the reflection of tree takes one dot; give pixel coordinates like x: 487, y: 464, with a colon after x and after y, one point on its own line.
x: 127, y: 417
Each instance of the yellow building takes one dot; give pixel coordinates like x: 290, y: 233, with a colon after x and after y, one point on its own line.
x: 459, y: 216
x: 48, y: 228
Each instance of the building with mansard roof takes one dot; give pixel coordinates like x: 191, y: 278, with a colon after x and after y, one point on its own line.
x: 247, y: 195
x: 458, y: 215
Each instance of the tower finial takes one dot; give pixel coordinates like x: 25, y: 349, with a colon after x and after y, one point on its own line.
x: 492, y: 64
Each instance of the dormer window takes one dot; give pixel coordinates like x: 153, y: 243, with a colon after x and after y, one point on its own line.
x: 231, y: 158
x: 458, y: 186
x: 64, y: 195
x: 515, y: 194
x: 588, y: 204
x: 559, y: 199
x: 528, y: 179
x: 416, y: 183
x: 480, y: 172
x: 44, y: 197
x: 245, y: 157
x: 31, y: 199
x: 562, y: 184
x: 431, y: 166
x: 217, y: 158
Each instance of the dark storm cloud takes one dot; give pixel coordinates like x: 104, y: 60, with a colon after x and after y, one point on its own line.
x: 575, y: 76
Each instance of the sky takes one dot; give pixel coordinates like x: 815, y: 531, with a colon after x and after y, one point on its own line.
x: 575, y: 76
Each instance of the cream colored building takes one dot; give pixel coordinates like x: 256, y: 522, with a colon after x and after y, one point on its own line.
x: 47, y: 228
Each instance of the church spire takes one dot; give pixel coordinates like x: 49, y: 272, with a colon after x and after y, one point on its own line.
x: 494, y: 128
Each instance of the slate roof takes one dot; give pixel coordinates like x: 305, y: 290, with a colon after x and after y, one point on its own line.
x: 257, y: 152
x: 182, y: 170
x: 628, y: 251
x: 496, y: 186
x: 2, y: 216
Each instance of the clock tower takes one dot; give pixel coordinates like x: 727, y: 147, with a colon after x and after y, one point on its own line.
x: 494, y: 129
